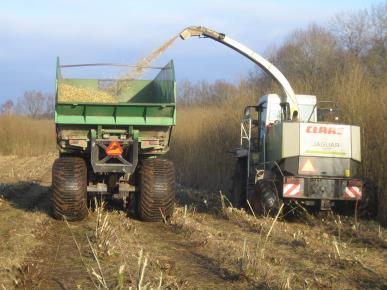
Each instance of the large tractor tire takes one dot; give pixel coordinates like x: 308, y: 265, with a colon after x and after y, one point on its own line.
x: 69, y: 184
x: 264, y: 199
x: 158, y: 185
x: 238, y: 191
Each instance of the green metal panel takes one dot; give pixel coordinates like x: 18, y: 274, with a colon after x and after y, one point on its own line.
x: 135, y: 91
x: 119, y: 114
x: 139, y: 102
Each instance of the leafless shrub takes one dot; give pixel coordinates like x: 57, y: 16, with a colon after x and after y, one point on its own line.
x: 35, y: 104
x: 6, y: 108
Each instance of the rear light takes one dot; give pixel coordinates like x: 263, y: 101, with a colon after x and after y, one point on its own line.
x: 114, y: 149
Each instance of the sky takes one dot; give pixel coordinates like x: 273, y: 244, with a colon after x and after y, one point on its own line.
x: 34, y: 32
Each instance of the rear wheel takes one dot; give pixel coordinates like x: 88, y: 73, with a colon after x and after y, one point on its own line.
x: 69, y: 184
x: 157, y: 196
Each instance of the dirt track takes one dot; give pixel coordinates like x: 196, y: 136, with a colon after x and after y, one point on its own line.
x: 201, y: 248
x: 56, y: 263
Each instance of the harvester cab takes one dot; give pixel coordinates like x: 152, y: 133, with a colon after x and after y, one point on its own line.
x: 290, y: 149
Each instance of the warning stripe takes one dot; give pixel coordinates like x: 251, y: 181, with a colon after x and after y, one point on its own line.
x: 352, y: 192
x: 291, y: 190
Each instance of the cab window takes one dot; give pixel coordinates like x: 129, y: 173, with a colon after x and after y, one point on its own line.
x: 275, y: 113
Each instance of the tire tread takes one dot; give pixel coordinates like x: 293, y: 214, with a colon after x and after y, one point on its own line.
x: 69, y: 185
x: 157, y: 189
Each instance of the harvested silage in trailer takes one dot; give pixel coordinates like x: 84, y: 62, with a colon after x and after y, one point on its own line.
x: 71, y: 94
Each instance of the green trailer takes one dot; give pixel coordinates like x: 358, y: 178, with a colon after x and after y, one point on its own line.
x: 110, y: 135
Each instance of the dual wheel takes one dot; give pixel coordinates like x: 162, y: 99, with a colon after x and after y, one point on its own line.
x: 69, y: 185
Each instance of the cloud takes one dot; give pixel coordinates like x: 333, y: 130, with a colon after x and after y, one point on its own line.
x: 33, y: 33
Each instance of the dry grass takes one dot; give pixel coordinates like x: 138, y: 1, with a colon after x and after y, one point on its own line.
x: 24, y: 136
x: 200, y: 143
x: 119, y: 260
x: 332, y: 252
x: 19, y: 234
x: 207, y: 242
x: 104, y: 237
x: 21, y: 223
x: 238, y: 254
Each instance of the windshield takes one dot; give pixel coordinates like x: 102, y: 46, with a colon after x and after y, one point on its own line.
x: 328, y: 115
x: 275, y: 112
x: 305, y: 111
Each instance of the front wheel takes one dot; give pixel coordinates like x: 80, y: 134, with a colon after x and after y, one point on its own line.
x: 264, y: 198
x: 157, y: 196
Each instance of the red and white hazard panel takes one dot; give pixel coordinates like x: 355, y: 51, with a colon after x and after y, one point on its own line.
x: 292, y: 189
x: 352, y: 192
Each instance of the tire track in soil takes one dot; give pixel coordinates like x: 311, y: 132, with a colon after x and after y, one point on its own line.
x: 57, y: 264
x: 190, y: 263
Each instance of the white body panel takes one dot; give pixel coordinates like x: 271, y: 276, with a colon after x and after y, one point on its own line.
x: 291, y: 139
x: 306, y: 104
x: 325, y: 140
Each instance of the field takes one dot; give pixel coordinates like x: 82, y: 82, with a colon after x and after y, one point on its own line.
x: 208, y: 244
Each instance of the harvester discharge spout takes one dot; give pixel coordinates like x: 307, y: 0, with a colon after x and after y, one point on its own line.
x: 264, y: 64
x: 200, y: 31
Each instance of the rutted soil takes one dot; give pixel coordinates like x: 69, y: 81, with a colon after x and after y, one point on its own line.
x: 24, y: 188
x: 57, y: 262
x: 204, y: 246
